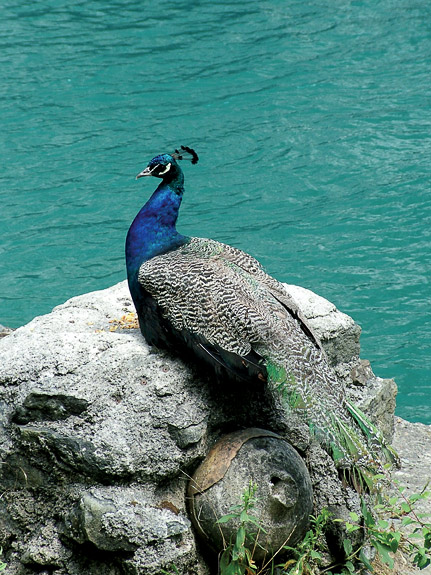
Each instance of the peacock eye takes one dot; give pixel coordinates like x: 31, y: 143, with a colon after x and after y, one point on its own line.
x: 168, y: 167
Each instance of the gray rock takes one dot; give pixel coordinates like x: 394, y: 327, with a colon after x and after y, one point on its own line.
x: 45, y: 407
x: 337, y: 331
x: 121, y: 519
x: 92, y: 419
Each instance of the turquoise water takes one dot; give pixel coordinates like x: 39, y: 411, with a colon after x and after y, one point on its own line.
x: 313, y: 124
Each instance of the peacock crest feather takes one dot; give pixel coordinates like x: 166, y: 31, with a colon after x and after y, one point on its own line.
x: 186, y: 153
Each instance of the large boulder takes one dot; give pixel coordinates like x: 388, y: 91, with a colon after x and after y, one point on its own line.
x: 99, y: 434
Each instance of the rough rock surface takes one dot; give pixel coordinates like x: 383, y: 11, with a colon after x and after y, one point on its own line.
x: 99, y: 434
x: 413, y: 443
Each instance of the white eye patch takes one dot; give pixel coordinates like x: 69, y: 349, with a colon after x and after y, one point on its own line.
x: 168, y: 167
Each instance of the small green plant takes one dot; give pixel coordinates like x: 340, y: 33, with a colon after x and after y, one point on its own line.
x: 237, y: 557
x: 308, y: 555
x: 385, y: 526
x: 2, y: 565
x: 173, y: 572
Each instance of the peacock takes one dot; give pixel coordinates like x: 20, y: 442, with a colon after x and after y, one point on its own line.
x: 211, y: 302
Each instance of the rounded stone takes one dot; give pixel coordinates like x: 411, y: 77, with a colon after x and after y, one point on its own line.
x: 284, y: 498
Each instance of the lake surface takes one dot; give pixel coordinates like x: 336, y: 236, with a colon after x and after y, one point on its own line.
x: 313, y: 124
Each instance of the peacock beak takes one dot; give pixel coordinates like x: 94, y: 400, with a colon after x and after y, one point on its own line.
x: 146, y: 172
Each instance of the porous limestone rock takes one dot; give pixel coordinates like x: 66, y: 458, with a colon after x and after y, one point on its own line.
x: 99, y: 435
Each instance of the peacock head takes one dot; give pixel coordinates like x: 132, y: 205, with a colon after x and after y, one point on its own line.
x: 165, y: 165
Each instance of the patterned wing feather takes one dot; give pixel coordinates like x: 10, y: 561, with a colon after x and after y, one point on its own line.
x: 222, y: 296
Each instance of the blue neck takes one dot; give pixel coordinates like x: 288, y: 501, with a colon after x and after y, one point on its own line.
x: 153, y: 230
